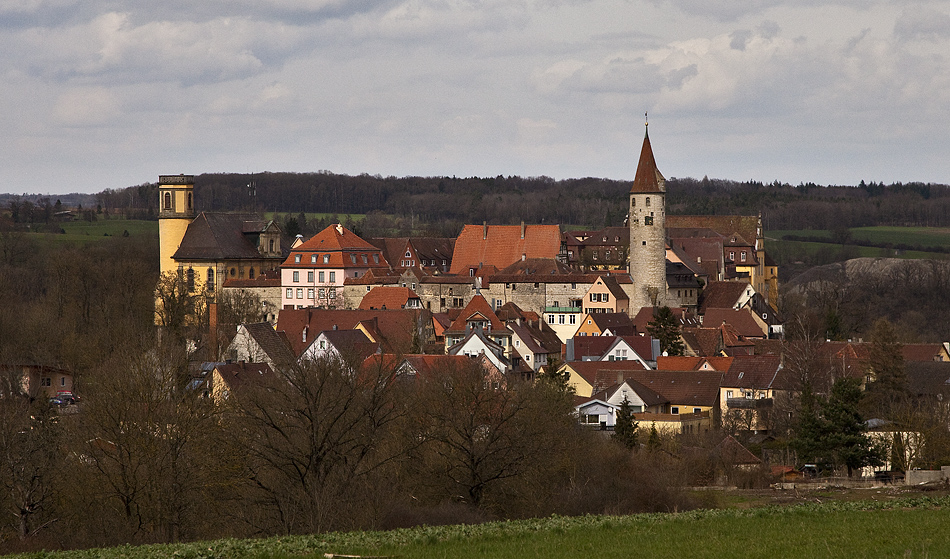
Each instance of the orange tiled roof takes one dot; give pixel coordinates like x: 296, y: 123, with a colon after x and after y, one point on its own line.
x: 503, y: 245
x: 387, y: 297
x: 342, y: 246
x: 477, y: 306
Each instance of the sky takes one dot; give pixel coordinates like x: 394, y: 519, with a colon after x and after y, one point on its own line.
x: 103, y: 94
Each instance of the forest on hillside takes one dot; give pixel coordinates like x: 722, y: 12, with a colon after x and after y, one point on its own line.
x: 450, y: 202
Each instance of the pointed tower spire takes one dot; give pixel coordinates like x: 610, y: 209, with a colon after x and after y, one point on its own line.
x: 648, y: 178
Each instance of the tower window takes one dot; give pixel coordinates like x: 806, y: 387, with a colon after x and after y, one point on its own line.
x: 189, y: 200
x: 648, y: 202
x: 633, y: 202
x: 167, y: 203
x: 210, y: 282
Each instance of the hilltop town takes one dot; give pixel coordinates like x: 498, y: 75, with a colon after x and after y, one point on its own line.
x: 263, y: 382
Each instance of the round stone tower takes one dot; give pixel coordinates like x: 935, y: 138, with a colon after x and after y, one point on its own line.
x: 647, y: 232
x: 176, y: 209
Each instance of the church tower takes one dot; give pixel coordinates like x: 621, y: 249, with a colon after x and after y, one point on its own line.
x: 647, y: 223
x: 176, y: 209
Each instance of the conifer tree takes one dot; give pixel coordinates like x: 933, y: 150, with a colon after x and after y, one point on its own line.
x: 625, y: 428
x: 666, y: 328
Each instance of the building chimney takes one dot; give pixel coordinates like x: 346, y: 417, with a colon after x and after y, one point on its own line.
x: 484, y: 230
x: 522, y: 230
x: 523, y: 255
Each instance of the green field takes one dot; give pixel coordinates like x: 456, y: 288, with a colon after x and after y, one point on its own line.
x: 85, y: 232
x: 887, y: 527
x: 915, y: 236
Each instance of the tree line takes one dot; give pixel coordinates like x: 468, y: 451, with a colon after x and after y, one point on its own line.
x: 587, y: 202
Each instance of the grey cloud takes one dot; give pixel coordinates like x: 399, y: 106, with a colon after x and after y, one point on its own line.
x: 922, y: 24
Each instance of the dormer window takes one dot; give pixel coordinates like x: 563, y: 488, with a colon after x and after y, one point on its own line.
x: 313, y: 258
x: 365, y: 261
x: 376, y: 259
x: 297, y: 258
x: 326, y: 258
x: 408, y: 254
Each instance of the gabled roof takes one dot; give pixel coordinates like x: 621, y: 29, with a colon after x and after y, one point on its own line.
x: 396, y: 325
x: 589, y: 370
x: 929, y: 378
x: 613, y: 287
x: 475, y: 333
x: 703, y: 341
x: 503, y: 245
x: 649, y: 397
x: 745, y: 225
x: 336, y: 238
x: 274, y: 344
x: 644, y: 316
x: 350, y: 344
x: 534, y: 340
x: 684, y: 363
x: 648, y: 179
x: 684, y: 388
x: 730, y: 451
x: 241, y: 376
x: 753, y: 371
x: 740, y: 319
x: 619, y: 323
x: 220, y: 236
x: 387, y: 297
x: 477, y: 309
x: 922, y: 352
x: 722, y: 295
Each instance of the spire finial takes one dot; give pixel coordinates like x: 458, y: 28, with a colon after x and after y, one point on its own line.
x: 646, y: 119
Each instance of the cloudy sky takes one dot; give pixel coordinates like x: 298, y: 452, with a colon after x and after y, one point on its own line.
x: 111, y: 93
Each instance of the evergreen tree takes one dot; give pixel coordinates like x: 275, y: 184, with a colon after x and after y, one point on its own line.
x: 847, y: 436
x: 666, y: 328
x: 654, y: 443
x: 625, y: 429
x: 889, y: 391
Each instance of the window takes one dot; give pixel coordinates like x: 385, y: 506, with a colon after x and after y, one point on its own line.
x: 210, y: 281
x: 675, y: 410
x: 573, y: 286
x: 647, y: 220
x: 742, y: 256
x: 322, y: 293
x: 408, y: 254
x: 310, y: 276
x: 442, y: 302
x: 353, y: 258
x: 593, y: 297
x: 697, y: 410
x: 167, y: 204
x: 191, y: 279
x: 517, y: 343
x: 296, y: 276
x: 604, y: 297
x: 46, y: 382
x: 572, y: 319
x: 300, y: 293
x: 271, y: 245
x: 728, y: 394
x: 313, y: 258
x: 591, y: 419
x: 326, y: 258
x: 250, y: 273
x: 332, y: 277
x: 560, y: 319
x: 647, y: 203
x: 633, y: 202
x: 62, y: 381
x: 332, y: 292
x: 290, y: 293
x: 732, y: 255
x: 323, y: 344
x: 310, y: 293
x: 296, y: 258
x: 550, y: 319
x: 323, y: 277
x: 376, y: 259
x: 365, y: 261
x: 457, y: 301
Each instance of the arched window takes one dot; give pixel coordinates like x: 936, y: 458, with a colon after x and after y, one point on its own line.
x: 191, y: 280
x: 210, y: 282
x: 167, y: 201
x: 648, y: 201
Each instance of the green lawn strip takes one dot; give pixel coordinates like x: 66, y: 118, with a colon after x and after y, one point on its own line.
x: 910, y: 527
x: 912, y: 236
x: 85, y: 232
x: 810, y: 248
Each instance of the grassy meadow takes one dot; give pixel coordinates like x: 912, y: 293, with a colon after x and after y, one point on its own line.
x: 82, y: 232
x: 889, y: 527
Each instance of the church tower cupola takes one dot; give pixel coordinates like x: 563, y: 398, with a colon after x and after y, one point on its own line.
x: 647, y: 221
x: 176, y: 209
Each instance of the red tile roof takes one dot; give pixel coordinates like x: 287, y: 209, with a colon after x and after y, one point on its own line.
x: 682, y: 388
x: 746, y: 226
x: 341, y: 244
x: 741, y: 319
x: 397, y: 326
x: 477, y: 309
x: 387, y: 297
x: 503, y: 245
